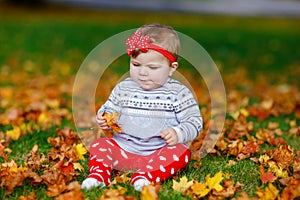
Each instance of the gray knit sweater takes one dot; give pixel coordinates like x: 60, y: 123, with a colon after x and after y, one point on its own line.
x: 145, y: 113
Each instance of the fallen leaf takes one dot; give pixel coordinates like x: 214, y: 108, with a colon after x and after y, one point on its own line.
x: 270, y: 193
x: 182, y: 185
x: 150, y: 192
x: 266, y: 177
x: 80, y: 151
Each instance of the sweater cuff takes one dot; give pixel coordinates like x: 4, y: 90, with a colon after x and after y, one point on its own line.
x: 179, y: 134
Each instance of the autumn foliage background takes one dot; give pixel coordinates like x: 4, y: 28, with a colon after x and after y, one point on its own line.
x: 42, y: 157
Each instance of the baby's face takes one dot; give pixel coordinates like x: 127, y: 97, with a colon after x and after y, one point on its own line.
x: 150, y: 70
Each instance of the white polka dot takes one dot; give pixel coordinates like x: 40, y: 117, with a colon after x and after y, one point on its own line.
x: 93, y: 157
x: 115, y: 163
x: 109, y: 142
x: 102, y: 149
x: 108, y: 172
x: 162, y: 158
x: 96, y: 144
x: 150, y: 161
x: 108, y: 180
x: 141, y: 172
x: 124, y: 154
x: 172, y: 171
x: 110, y: 158
x: 172, y: 147
x: 175, y: 157
x: 99, y: 160
x: 186, y: 159
x: 105, y: 165
x: 149, y: 167
x: 157, y: 180
x: 99, y: 170
x: 109, y: 149
x: 150, y: 176
x: 162, y: 168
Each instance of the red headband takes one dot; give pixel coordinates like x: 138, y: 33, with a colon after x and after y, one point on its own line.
x: 143, y: 44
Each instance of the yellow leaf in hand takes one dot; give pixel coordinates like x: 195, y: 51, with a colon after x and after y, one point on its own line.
x: 80, y: 151
x: 182, y: 185
x: 214, y: 182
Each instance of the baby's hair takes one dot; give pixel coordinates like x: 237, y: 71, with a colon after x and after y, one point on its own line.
x: 163, y: 36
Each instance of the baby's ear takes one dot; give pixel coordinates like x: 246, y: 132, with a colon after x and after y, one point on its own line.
x: 173, y: 68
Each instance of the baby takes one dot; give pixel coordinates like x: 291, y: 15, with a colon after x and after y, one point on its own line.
x: 158, y: 115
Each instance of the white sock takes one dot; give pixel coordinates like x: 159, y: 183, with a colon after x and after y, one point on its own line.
x: 90, y: 183
x: 139, y: 184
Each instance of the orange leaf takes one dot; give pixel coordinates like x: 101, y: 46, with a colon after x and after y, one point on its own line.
x: 111, y: 120
x: 266, y: 177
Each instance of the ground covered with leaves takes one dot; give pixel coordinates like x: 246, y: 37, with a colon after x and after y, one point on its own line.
x: 257, y: 157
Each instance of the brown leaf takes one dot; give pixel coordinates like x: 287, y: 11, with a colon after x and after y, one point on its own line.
x: 292, y: 190
x: 56, y: 189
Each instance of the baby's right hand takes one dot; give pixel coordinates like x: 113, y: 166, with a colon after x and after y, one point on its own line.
x: 102, y: 122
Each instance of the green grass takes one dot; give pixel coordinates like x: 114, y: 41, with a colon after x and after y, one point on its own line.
x: 264, y: 46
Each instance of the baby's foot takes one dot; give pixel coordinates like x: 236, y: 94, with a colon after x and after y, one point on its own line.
x: 139, y: 184
x: 90, y: 183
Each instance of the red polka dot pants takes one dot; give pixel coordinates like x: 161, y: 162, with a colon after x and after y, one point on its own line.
x: 106, y: 155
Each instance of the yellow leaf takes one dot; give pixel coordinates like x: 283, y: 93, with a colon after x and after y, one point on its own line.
x: 78, y: 166
x: 43, y: 118
x: 80, y: 151
x: 182, y: 185
x: 15, y: 133
x: 214, y: 182
x: 200, y: 189
x: 149, y: 193
x: 270, y: 193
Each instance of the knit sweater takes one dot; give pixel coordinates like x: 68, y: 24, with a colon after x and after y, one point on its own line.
x: 145, y: 113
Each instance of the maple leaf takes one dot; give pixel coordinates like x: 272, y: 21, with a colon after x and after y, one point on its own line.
x: 214, y: 182
x: 111, y: 120
x: 182, y: 185
x: 270, y: 193
x: 200, y: 189
x: 266, y: 177
x: 80, y: 151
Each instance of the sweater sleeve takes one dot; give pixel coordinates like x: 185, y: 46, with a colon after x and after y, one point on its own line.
x: 188, y: 115
x: 113, y: 102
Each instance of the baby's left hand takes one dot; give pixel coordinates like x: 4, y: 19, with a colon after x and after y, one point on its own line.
x: 170, y: 136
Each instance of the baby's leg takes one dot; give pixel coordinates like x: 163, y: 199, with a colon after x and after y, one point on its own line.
x: 163, y: 164
x: 101, y: 161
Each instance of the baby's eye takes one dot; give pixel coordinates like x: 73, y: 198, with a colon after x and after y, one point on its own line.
x: 153, y: 67
x: 135, y: 64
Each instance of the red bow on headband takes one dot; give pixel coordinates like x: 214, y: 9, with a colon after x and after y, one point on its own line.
x: 143, y: 44
x: 136, y: 42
